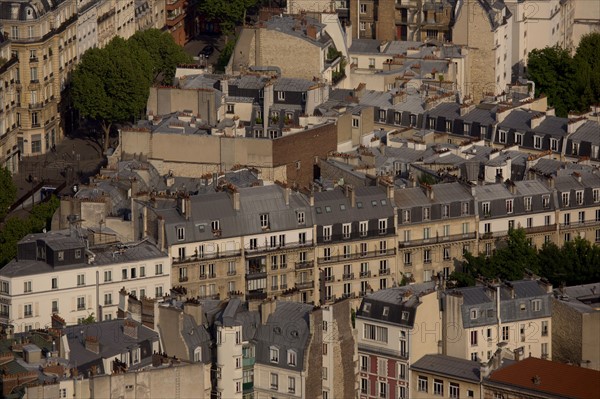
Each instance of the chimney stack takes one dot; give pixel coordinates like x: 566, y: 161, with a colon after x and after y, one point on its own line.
x: 130, y: 329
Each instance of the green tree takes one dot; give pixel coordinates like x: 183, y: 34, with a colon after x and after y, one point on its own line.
x: 228, y: 13
x: 165, y: 55
x: 587, y: 59
x: 111, y: 85
x: 225, y: 55
x: 89, y: 320
x: 511, y: 261
x: 8, y: 191
x: 553, y: 71
x: 575, y: 263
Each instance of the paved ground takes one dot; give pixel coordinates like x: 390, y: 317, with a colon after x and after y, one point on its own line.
x: 193, y: 47
x: 75, y: 159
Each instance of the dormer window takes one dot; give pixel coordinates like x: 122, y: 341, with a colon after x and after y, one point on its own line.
x: 426, y: 213
x: 445, y: 211
x: 215, y: 225
x: 527, y: 203
x: 519, y: 138
x: 546, y: 201
x: 537, y: 142
x: 413, y: 120
x: 180, y: 233
x: 355, y: 122
x: 448, y: 126
x: 264, y: 221
x: 291, y: 357
x: 406, y: 216
x: 301, y: 217
x: 473, y: 313
x: 466, y: 128
x: 326, y: 233
x: 565, y: 199
x: 274, y: 354
x: 509, y: 206
x: 281, y: 96
x: 579, y: 197
x: 554, y: 144
x: 596, y: 195
x: 501, y: 136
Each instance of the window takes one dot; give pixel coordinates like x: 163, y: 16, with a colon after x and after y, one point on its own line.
x: 274, y: 354
x: 27, y: 286
x: 536, y: 305
x: 426, y: 233
x: 427, y: 256
x: 230, y: 108
x: 180, y: 233
x: 544, y: 328
x: 454, y: 390
x: 505, y: 333
x: 465, y: 208
x: 124, y: 274
x: 474, y: 338
x: 383, y: 389
x: 14, y: 32
x: 426, y: 213
x: 142, y: 271
x: 363, y: 228
x: 447, y: 253
x: 567, y: 219
x: 596, y: 195
x: 28, y: 310
x: 502, y: 136
x: 108, y: 298
x: 382, y: 226
x: 300, y: 217
x: 291, y: 357
x: 537, y: 142
x: 364, y: 386
x: 438, y: 387
x: 579, y: 197
x: 446, y: 230
x: 80, y: 279
x: 264, y: 220
x: 346, y: 230
x: 422, y: 383
x: 581, y: 217
x: 406, y: 216
x: 55, y: 306
x: 133, y: 272
x: 519, y: 138
x: 60, y: 255
x: 81, y: 303
x: 445, y: 211
x: 54, y: 283
x: 158, y: 269
x: 527, y: 201
x: 291, y: 384
x: 554, y: 144
x: 326, y: 233
x: 364, y: 363
x: 274, y: 381
x: 375, y: 333
x: 509, y: 206
x: 355, y: 121
x: 487, y: 228
x: 158, y: 291
x: 565, y: 199
x: 546, y: 201
x: 281, y: 96
x: 363, y: 8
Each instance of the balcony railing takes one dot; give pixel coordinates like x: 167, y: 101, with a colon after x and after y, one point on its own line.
x: 577, y: 224
x: 329, y: 278
x: 209, y: 256
x: 303, y: 285
x: 231, y: 273
x: 286, y: 246
x: 363, y: 255
x: 183, y: 279
x: 384, y: 272
x: 356, y: 235
x: 437, y: 239
x: 365, y: 274
x: 540, y: 229
x: 348, y: 276
x: 305, y: 265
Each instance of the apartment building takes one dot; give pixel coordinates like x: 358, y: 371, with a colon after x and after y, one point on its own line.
x: 356, y: 245
x: 77, y: 274
x: 514, y: 314
x: 575, y: 324
x: 45, y: 41
x: 579, y: 206
x: 401, y: 20
x: 436, y: 226
x: 245, y: 240
x: 534, y: 378
x: 149, y: 14
x: 87, y: 26
x: 445, y: 375
x: 485, y: 28
x: 396, y: 327
x: 9, y: 118
x: 175, y: 13
x: 529, y: 204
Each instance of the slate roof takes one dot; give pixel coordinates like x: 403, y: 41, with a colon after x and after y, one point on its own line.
x: 292, y: 84
x: 293, y: 27
x: 112, y: 339
x: 583, y: 298
x: 38, y: 8
x: 287, y: 328
x: 448, y: 366
x: 332, y: 207
x: 589, y: 131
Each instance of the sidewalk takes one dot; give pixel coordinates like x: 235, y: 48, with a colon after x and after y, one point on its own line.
x: 73, y: 160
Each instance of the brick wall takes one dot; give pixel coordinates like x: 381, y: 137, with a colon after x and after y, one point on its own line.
x: 304, y: 147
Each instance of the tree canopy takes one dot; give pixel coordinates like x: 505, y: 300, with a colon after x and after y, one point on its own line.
x: 570, y: 83
x: 576, y: 262
x: 111, y: 84
x: 8, y: 191
x: 164, y: 53
x: 228, y: 13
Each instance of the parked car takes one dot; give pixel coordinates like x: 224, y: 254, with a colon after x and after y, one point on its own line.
x: 207, y: 50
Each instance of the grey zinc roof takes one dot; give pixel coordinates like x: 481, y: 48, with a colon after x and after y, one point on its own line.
x: 394, y: 295
x: 589, y: 131
x: 450, y: 192
x: 531, y: 187
x: 491, y: 192
x: 250, y: 82
x: 448, y: 366
x: 583, y: 298
x: 197, y: 82
x: 366, y: 46
x: 553, y: 126
x: 517, y: 119
x: 111, y: 337
x: 195, y: 336
x: 480, y: 115
x: 410, y: 197
x: 294, y: 27
x: 523, y: 289
x: 336, y: 200
x: 447, y: 110
x: 292, y: 84
x: 383, y: 100
x: 287, y: 329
